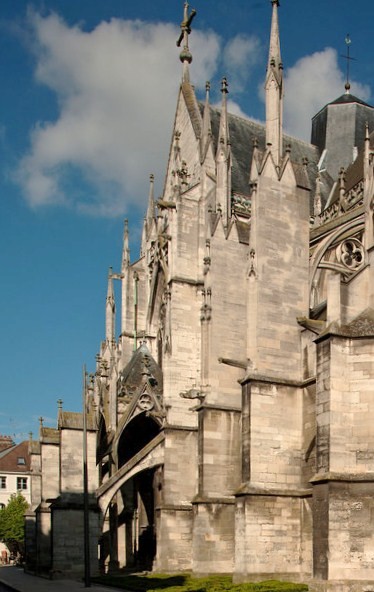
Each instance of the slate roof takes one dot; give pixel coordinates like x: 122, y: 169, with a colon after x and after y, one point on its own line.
x: 10, y: 461
x: 348, y: 98
x: 243, y: 132
x: 345, y: 99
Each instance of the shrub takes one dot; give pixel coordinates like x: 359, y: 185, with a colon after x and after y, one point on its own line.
x: 186, y: 583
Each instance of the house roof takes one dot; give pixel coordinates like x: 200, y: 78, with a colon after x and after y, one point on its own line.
x: 16, y: 459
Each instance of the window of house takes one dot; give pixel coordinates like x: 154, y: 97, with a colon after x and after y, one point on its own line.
x: 2, y: 482
x: 21, y: 482
x: 21, y: 460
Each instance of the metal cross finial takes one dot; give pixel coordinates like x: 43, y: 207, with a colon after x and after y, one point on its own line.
x: 347, y: 57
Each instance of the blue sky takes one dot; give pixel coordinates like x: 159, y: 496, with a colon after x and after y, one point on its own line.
x: 86, y: 111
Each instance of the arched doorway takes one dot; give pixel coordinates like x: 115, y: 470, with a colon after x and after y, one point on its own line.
x: 129, y: 533
x: 129, y: 529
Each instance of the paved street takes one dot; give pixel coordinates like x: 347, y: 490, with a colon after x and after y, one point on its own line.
x: 13, y: 579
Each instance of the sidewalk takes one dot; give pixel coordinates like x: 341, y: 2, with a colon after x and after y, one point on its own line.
x: 21, y: 582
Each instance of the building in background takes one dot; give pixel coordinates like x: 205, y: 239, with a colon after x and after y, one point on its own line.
x: 233, y: 415
x: 15, y: 477
x: 15, y: 472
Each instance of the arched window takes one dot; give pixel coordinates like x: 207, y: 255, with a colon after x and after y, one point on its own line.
x: 138, y: 432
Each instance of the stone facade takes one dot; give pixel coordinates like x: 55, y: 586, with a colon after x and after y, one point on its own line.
x: 233, y: 414
x: 54, y: 529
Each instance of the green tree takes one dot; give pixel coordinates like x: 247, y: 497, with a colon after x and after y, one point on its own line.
x: 12, y: 531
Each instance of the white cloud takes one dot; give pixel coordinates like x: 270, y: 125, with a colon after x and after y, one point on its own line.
x: 241, y: 54
x: 311, y: 83
x: 234, y: 108
x: 116, y: 89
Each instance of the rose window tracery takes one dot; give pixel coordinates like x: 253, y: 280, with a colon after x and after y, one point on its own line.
x: 351, y: 254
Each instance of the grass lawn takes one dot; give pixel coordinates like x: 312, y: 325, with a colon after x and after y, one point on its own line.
x: 186, y: 583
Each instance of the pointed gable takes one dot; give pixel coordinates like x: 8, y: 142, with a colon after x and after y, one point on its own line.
x: 140, y: 370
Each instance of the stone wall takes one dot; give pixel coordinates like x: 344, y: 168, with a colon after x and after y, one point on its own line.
x: 68, y: 542
x: 279, y: 294
x: 213, y: 536
x: 219, y: 451
x: 344, y: 484
x: 50, y: 466
x: 71, y: 453
x: 180, y: 466
x: 174, y: 539
x: 43, y: 544
x: 178, y: 367
x: 276, y: 426
x: 273, y: 537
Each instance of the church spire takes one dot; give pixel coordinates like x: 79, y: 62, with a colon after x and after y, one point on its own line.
x: 185, y: 55
x: 274, y: 90
x: 110, y: 310
x: 223, y: 136
x: 206, y: 134
x: 151, y: 204
x: 149, y: 217
x: 223, y: 159
x: 126, y: 249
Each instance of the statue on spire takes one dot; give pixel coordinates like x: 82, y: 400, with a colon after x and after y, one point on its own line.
x: 185, y: 55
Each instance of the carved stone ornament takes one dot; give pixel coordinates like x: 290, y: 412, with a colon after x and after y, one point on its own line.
x: 252, y: 266
x: 351, y: 254
x: 145, y: 402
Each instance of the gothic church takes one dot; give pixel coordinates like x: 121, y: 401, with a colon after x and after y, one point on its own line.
x: 230, y: 425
